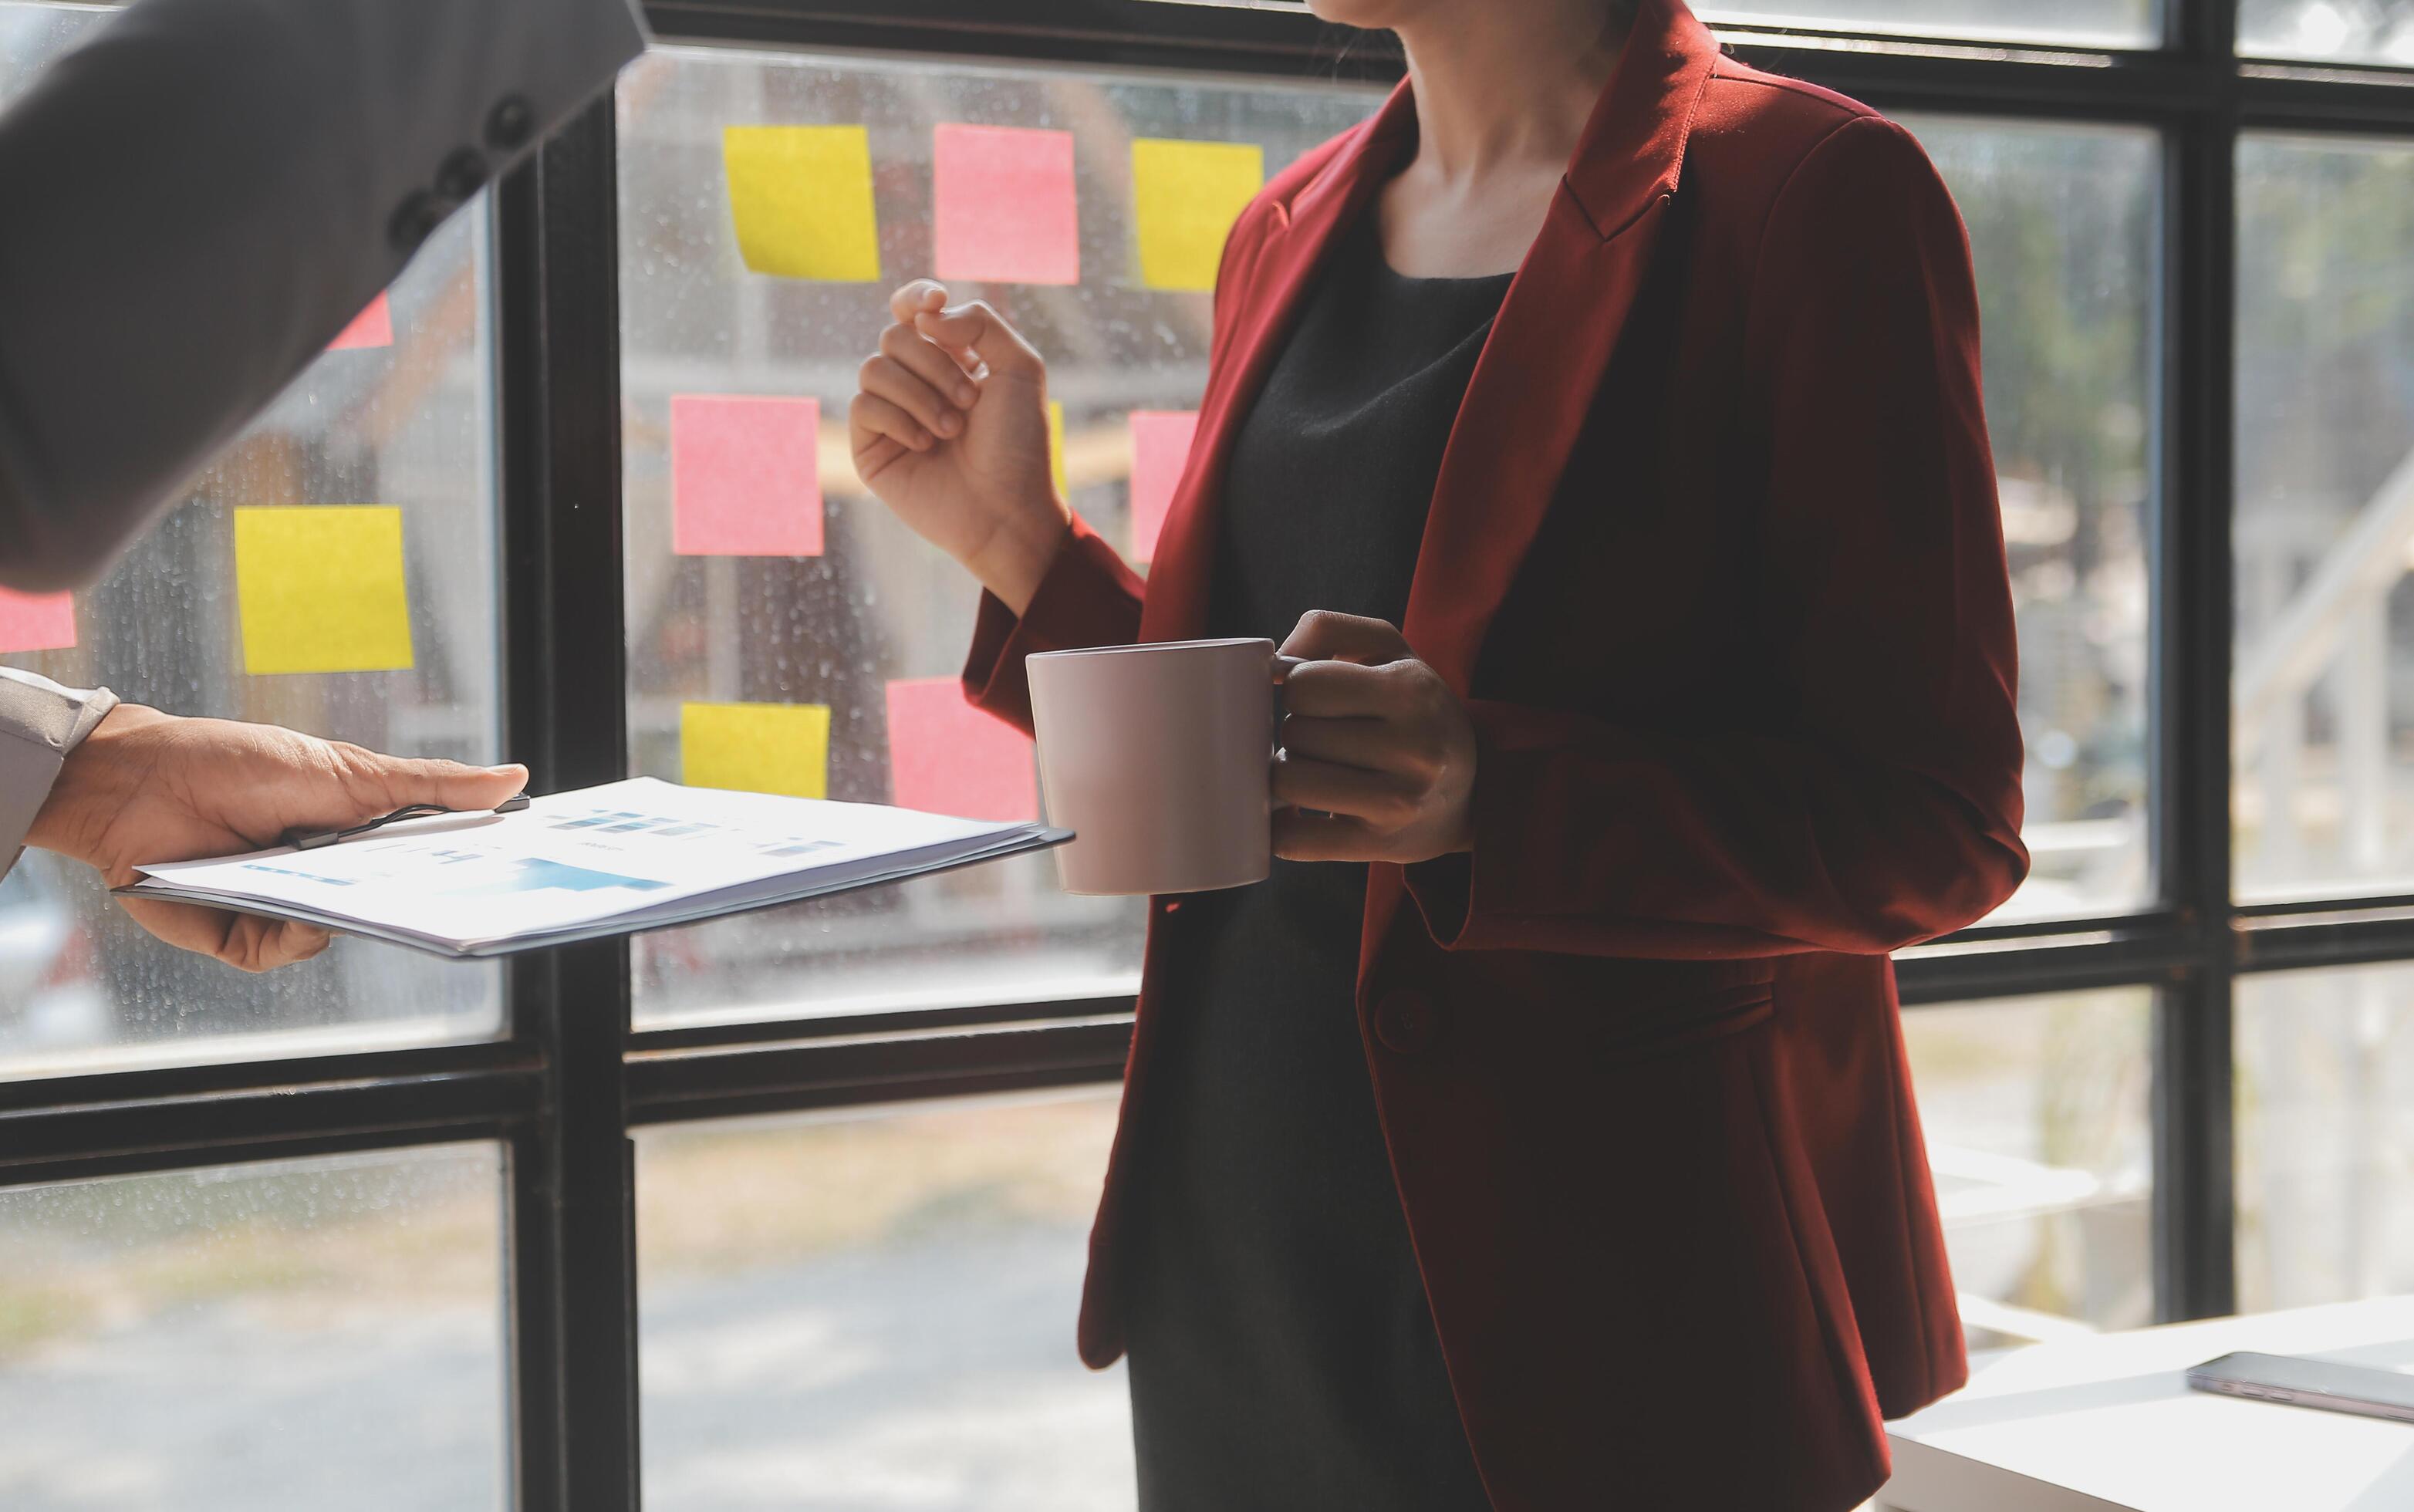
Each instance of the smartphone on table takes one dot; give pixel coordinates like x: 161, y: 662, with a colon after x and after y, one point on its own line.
x: 2362, y: 1390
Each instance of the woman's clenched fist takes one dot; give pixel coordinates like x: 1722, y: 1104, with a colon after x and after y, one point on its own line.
x: 950, y: 431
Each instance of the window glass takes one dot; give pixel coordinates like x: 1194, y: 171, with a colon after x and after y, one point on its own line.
x: 2061, y: 226
x: 2094, y: 23
x: 32, y: 35
x: 2323, y: 708
x: 2036, y: 1113
x: 875, y: 1310
x: 760, y: 573
x: 2061, y: 220
x: 278, y: 1337
x: 2325, y: 1135
x: 383, y: 446
x: 2330, y: 31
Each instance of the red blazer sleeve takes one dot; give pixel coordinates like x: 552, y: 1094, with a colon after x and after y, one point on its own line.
x: 1088, y: 598
x: 1882, y: 806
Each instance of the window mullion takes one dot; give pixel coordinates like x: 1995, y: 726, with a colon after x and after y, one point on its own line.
x: 572, y: 1225
x: 2195, y: 1195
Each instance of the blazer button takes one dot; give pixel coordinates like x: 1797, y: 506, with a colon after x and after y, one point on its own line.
x: 414, y: 220
x: 462, y: 174
x: 1407, y: 1022
x: 509, y: 123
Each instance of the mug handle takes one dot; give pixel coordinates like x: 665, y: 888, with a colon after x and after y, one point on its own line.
x: 1283, y: 667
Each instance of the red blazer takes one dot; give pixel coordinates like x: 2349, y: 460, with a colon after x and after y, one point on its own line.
x: 1715, y: 557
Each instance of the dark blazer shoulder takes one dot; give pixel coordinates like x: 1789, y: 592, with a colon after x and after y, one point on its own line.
x: 202, y: 192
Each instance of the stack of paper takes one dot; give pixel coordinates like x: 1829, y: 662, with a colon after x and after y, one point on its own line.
x: 642, y: 854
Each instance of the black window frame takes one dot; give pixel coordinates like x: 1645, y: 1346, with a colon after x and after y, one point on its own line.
x: 564, y: 1089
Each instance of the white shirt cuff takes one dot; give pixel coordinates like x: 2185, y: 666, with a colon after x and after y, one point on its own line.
x: 40, y: 723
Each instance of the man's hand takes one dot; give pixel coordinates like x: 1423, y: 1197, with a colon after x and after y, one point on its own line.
x: 147, y: 788
x: 1378, y: 754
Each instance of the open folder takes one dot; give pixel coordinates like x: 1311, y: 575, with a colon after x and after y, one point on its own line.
x: 613, y: 860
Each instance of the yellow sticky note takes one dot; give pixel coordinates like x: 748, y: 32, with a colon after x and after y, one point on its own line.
x: 321, y: 588
x: 757, y: 748
x: 802, y: 199
x: 1185, y: 196
x: 1056, y: 448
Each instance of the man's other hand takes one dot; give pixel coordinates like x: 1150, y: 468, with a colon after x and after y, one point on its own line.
x: 145, y: 787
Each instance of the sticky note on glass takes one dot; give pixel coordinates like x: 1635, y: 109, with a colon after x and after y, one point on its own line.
x: 757, y: 748
x: 946, y: 757
x: 801, y: 197
x: 1006, y: 209
x: 1185, y: 196
x: 745, y: 476
x: 321, y: 590
x: 1056, y: 445
x: 372, y: 327
x: 36, y: 621
x: 1160, y: 440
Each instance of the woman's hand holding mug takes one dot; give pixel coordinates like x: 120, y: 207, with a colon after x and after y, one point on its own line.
x: 1378, y: 754
x: 950, y: 431
x: 1163, y: 757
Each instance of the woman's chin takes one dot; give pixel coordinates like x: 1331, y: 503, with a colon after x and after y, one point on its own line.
x: 1368, y: 14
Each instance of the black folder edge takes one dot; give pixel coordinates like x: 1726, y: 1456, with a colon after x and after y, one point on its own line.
x: 1013, y: 844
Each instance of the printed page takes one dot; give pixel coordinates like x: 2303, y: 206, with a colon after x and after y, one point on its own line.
x: 576, y: 858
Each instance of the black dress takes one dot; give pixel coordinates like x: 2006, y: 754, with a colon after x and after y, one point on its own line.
x: 1282, y: 1350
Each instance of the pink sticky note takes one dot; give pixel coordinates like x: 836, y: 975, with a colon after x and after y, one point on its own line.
x: 949, y: 757
x: 1160, y: 450
x: 36, y: 621
x: 372, y: 327
x: 1006, y: 209
x: 745, y: 476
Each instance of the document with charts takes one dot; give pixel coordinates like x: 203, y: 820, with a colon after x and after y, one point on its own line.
x: 627, y: 856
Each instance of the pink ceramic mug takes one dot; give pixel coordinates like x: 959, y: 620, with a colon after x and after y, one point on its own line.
x: 1158, y: 757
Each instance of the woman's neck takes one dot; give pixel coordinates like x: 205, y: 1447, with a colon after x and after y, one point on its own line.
x: 1503, y: 89
x: 1504, y: 84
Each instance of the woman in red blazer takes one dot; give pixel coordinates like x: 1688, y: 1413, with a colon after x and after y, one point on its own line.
x: 1701, y: 701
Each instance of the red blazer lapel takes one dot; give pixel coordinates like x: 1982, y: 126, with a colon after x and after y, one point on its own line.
x: 1534, y: 385
x: 1270, y: 283
x: 1532, y: 388
x: 1530, y: 392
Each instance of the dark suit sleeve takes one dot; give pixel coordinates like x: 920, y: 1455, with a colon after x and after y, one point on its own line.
x: 1882, y: 806
x: 196, y: 200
